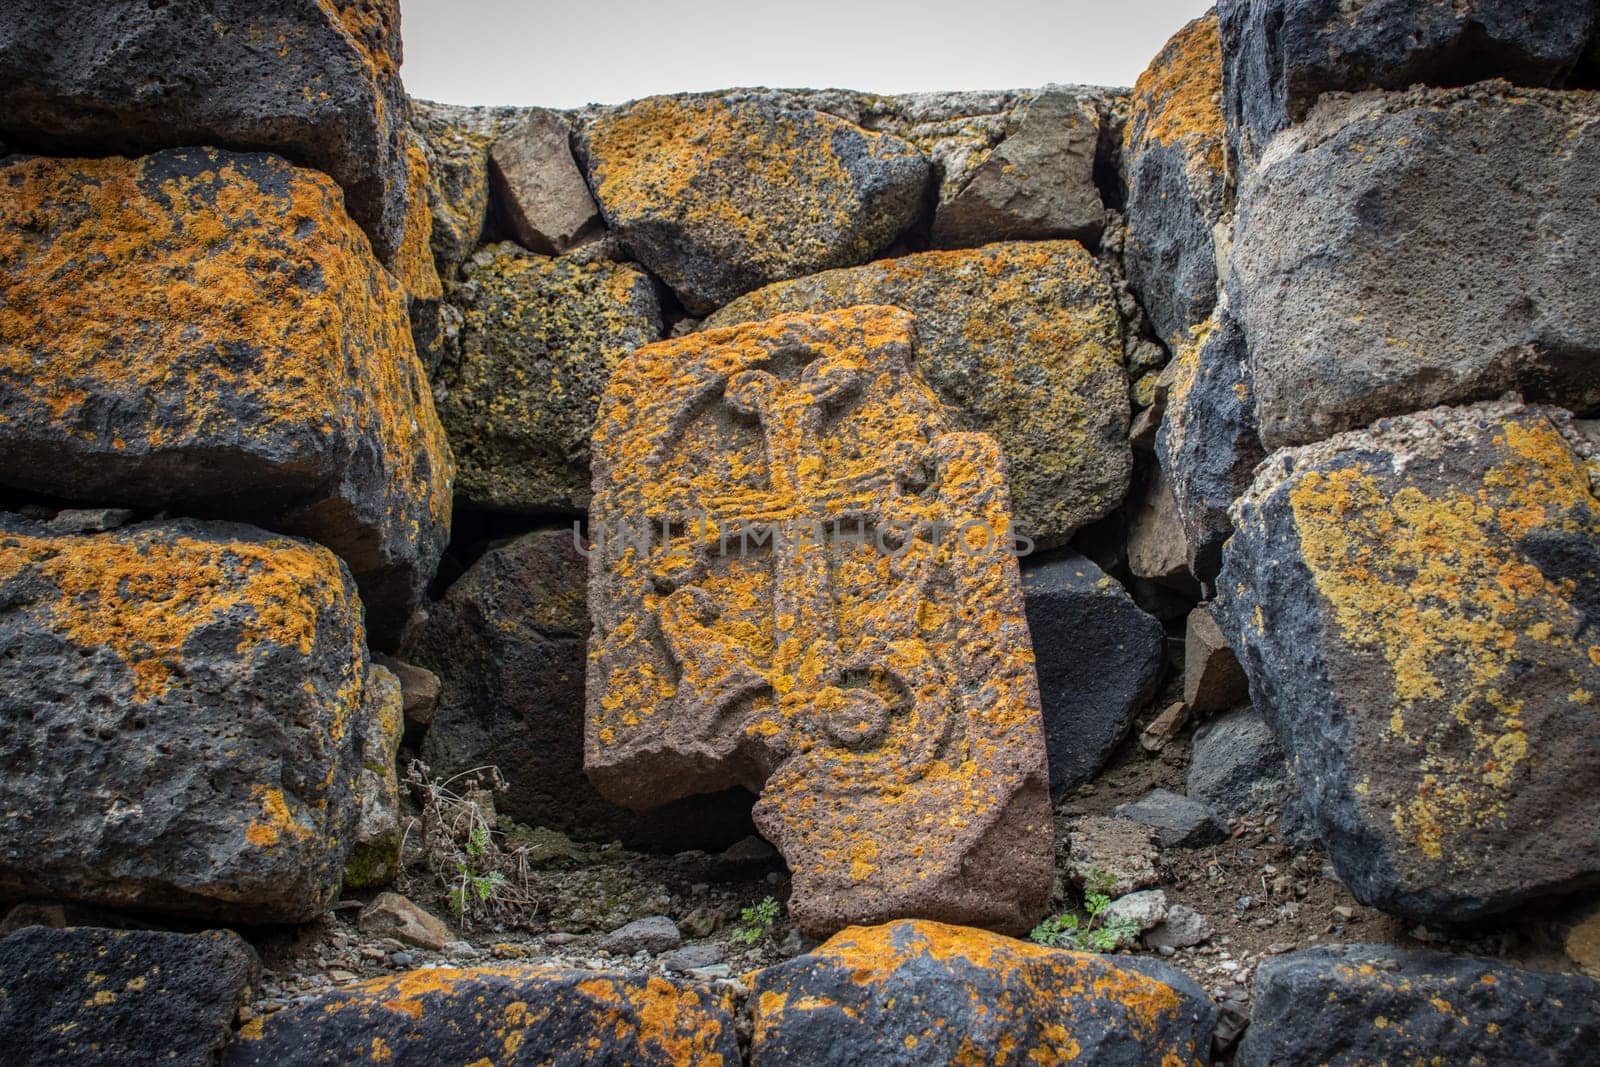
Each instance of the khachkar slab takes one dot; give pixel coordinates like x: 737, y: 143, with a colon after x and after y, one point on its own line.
x: 802, y: 582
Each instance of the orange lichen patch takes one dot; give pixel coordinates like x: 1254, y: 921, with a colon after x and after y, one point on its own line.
x: 413, y: 264
x: 275, y: 821
x: 1434, y: 580
x: 996, y: 1000
x: 1022, y: 341
x: 188, y: 289
x: 882, y: 698
x: 1178, y: 100
x: 145, y: 595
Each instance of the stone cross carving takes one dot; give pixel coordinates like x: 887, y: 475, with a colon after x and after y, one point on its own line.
x: 801, y: 583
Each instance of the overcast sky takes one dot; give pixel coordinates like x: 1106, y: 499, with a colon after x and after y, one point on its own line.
x: 565, y: 53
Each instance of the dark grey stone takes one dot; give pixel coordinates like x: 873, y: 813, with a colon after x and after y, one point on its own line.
x: 1282, y: 54
x: 1360, y: 1004
x: 654, y: 934
x: 693, y: 957
x: 120, y: 998
x: 1236, y: 766
x: 1099, y: 660
x: 313, y: 81
x: 1179, y: 821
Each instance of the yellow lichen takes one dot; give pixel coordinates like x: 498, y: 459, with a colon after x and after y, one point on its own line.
x: 1178, y: 100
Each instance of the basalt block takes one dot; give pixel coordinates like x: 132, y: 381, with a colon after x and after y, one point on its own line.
x: 802, y: 583
x: 505, y: 1015
x: 1416, y: 608
x: 1022, y: 341
x: 721, y: 195
x: 182, y: 706
x: 924, y: 992
x: 1175, y: 154
x: 208, y: 332
x: 317, y: 81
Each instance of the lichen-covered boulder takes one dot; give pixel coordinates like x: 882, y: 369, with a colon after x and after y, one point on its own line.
x: 507, y: 641
x: 183, y: 704
x: 374, y: 857
x: 1207, y: 442
x: 922, y: 992
x: 1415, y: 606
x: 1037, y: 183
x: 1283, y: 54
x: 133, y: 997
x: 539, y: 340
x: 722, y: 195
x: 317, y: 81
x: 457, y: 153
x: 803, y: 583
x: 1021, y: 341
x: 413, y: 265
x: 208, y: 332
x: 1371, y: 280
x: 1174, y: 153
x: 1098, y: 657
x: 507, y: 1015
x: 543, y: 199
x: 1361, y: 1004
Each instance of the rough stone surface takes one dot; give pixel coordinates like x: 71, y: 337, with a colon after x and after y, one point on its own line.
x: 413, y: 265
x: 540, y: 192
x: 1415, y: 608
x: 656, y: 933
x: 1182, y: 927
x: 1582, y: 944
x: 541, y: 337
x: 508, y: 644
x: 1036, y: 184
x: 1098, y: 658
x: 1179, y: 821
x: 1207, y: 441
x: 89, y: 996
x: 1282, y: 54
x: 1023, y: 342
x: 181, y: 704
x: 375, y: 850
x: 511, y: 1015
x: 1146, y: 910
x: 1236, y: 767
x: 1212, y: 678
x: 317, y: 81
x: 457, y: 153
x: 396, y: 916
x: 923, y: 992
x: 208, y: 331
x: 891, y: 689
x: 1359, y: 1004
x: 1175, y: 156
x: 721, y: 195
x: 419, y: 690
x: 1122, y: 850
x: 1371, y: 281
x: 1158, y: 551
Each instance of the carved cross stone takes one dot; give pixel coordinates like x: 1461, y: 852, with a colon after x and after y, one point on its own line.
x: 801, y: 582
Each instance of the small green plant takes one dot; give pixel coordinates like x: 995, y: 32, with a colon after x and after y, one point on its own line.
x: 1094, y: 931
x: 757, y: 922
x: 482, y: 880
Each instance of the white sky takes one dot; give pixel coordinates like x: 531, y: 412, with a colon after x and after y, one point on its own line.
x: 566, y: 53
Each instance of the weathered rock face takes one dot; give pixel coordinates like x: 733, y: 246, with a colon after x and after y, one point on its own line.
x: 1363, y: 1004
x: 882, y: 699
x: 413, y: 265
x: 1023, y: 342
x: 182, y: 702
x: 458, y: 181
x: 1212, y: 678
x: 1236, y: 766
x: 1036, y: 184
x: 923, y: 992
x: 1158, y: 550
x: 1283, y: 53
x: 540, y: 338
x: 1371, y: 281
x: 375, y: 850
x: 208, y: 331
x: 1099, y: 659
x: 1207, y: 441
x: 1175, y: 154
x: 544, y: 200
x: 506, y: 1014
x: 508, y: 643
x: 132, y: 997
x: 722, y: 195
x: 317, y: 81
x: 1415, y: 607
